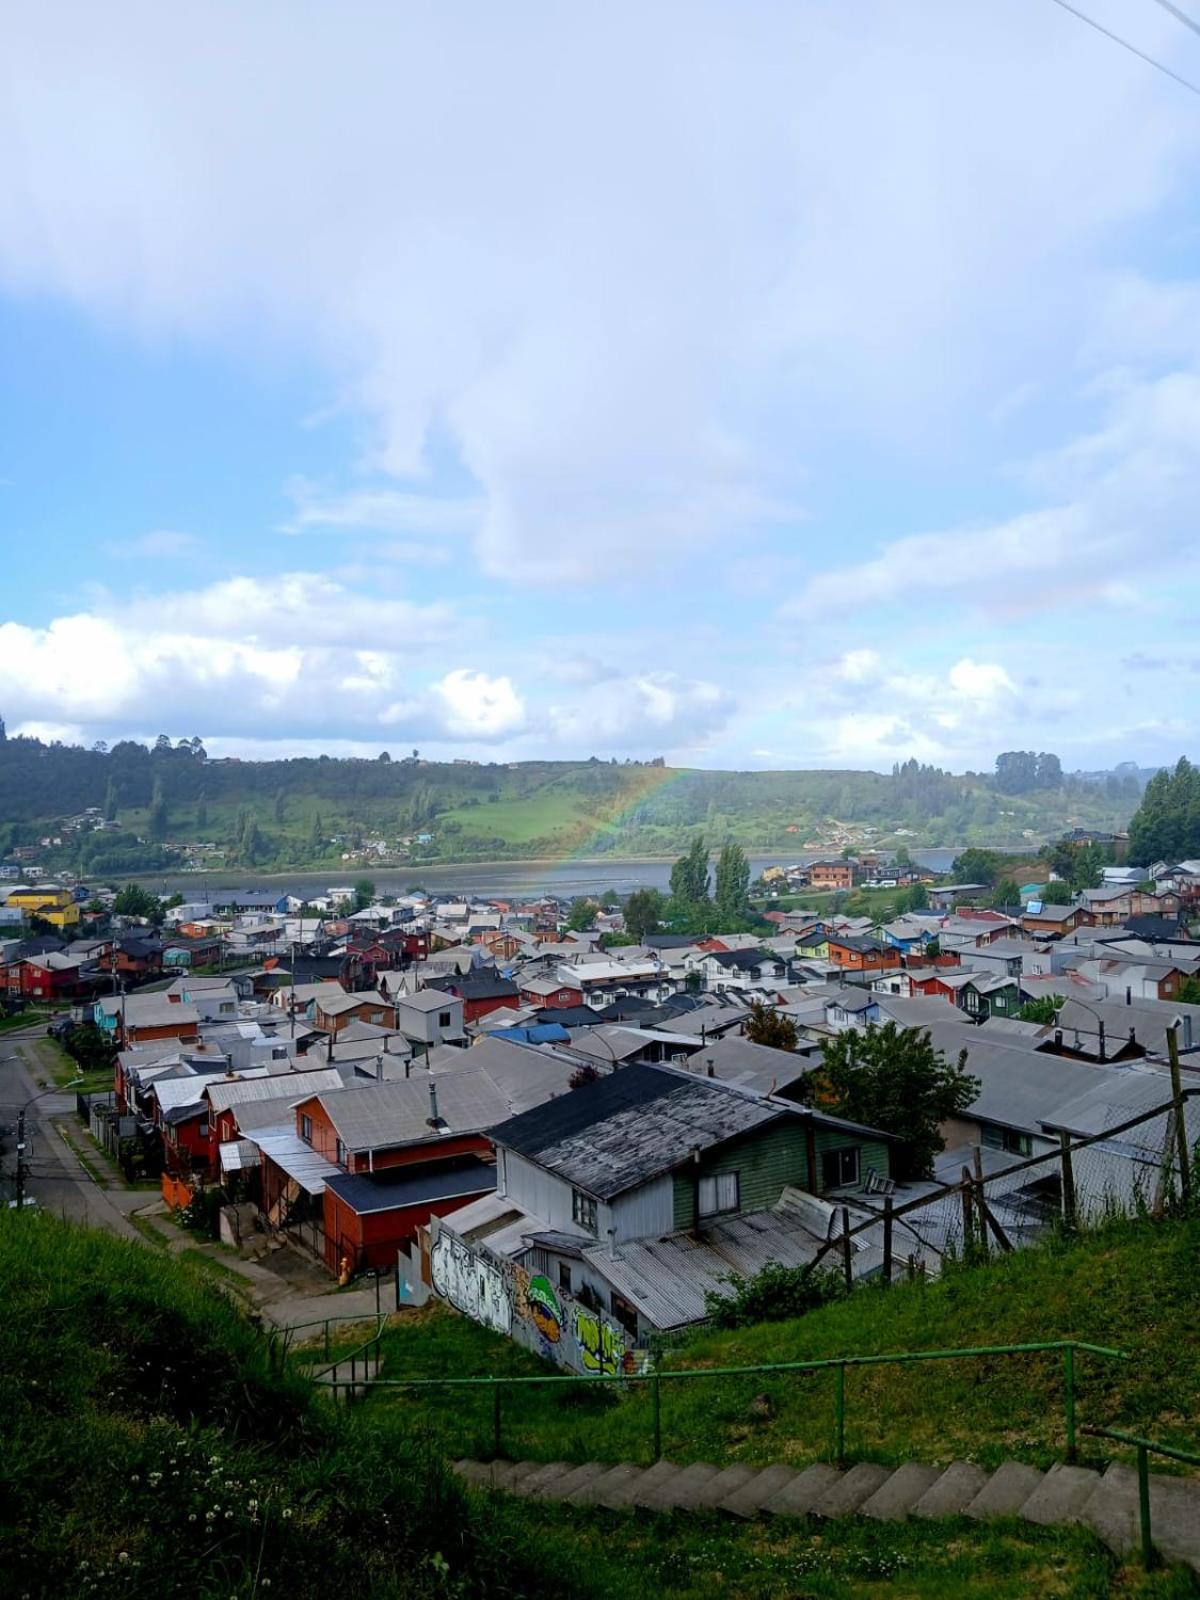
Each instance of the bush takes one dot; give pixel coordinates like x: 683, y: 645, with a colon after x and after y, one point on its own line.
x: 773, y: 1295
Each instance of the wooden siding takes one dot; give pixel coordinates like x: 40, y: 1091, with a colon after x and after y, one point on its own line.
x: 874, y: 1152
x: 767, y: 1162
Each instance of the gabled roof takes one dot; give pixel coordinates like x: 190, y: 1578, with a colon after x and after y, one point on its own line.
x: 630, y: 1126
x: 335, y: 1005
x: 425, y: 1000
x: 383, y: 1115
x: 481, y: 984
x: 394, y: 1188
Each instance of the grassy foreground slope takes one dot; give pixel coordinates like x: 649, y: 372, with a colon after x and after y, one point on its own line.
x: 1134, y: 1286
x: 150, y: 1447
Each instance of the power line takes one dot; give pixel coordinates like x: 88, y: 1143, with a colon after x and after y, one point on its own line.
x: 1180, y: 16
x: 1125, y: 45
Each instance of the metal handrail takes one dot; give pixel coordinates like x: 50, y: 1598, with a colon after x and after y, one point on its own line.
x: 323, y: 1322
x: 1144, y: 1448
x: 372, y: 1343
x: 838, y: 1364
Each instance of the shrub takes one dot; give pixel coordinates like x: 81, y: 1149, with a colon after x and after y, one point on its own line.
x: 773, y: 1295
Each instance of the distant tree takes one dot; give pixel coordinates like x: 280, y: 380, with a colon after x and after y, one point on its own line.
x: 978, y: 866
x: 581, y: 914
x: 100, y: 748
x: 1166, y: 826
x: 202, y: 811
x: 733, y: 881
x: 693, y: 983
x: 1189, y: 991
x: 1005, y: 894
x: 1043, y: 1009
x: 933, y: 947
x: 316, y: 836
x: 134, y: 901
x: 689, y: 875
x: 385, y: 758
x: 157, y: 820
x: 587, y: 1072
x: 896, y: 1080
x: 279, y: 810
x: 162, y: 744
x: 644, y: 912
x: 768, y: 1026
x: 902, y: 857
x: 364, y: 894
x: 112, y: 799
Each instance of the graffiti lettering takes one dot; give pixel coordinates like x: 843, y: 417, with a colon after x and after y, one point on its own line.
x: 601, y: 1346
x: 471, y: 1284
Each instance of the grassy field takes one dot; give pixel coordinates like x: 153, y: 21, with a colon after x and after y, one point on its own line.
x: 1134, y: 1287
x: 518, y: 822
x: 154, y: 1448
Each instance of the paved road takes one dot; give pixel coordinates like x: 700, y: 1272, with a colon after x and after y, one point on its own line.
x: 57, y: 1179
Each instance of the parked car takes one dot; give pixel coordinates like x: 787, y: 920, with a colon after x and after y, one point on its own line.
x: 61, y: 1028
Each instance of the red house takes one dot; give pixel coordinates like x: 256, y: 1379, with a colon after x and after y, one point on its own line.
x: 550, y: 993
x: 480, y: 992
x: 370, y: 1216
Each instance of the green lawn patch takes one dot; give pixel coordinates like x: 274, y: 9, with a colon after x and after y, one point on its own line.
x: 1134, y: 1286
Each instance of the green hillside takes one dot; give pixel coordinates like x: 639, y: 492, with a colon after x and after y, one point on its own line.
x: 152, y: 1448
x: 310, y: 812
x: 1133, y: 1286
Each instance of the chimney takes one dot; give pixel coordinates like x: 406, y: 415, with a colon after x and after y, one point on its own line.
x: 1103, y: 1055
x: 709, y: 1070
x: 1128, y: 994
x: 612, y: 1244
x: 433, y: 1105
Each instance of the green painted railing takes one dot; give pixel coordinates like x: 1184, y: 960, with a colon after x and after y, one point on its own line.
x: 1144, y: 1448
x: 838, y: 1365
x: 326, y: 1323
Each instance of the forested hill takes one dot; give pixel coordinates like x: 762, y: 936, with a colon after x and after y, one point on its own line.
x: 288, y: 814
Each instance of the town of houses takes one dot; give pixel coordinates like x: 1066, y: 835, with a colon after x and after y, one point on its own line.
x: 575, y: 1141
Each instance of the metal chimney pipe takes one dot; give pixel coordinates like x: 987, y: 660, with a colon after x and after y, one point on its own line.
x: 433, y: 1105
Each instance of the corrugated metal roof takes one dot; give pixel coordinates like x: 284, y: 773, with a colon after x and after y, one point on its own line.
x: 238, y: 1155
x: 302, y: 1163
x: 288, y: 1086
x: 376, y: 1115
x: 369, y: 1193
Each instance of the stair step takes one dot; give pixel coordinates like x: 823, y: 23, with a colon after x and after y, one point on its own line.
x: 680, y: 1493
x: 548, y: 1472
x: 562, y: 1488
x: 953, y: 1491
x: 753, y: 1495
x: 1005, y: 1492
x: 1061, y: 1495
x: 894, y: 1500
x: 796, y: 1499
x: 589, y: 1494
x: 1112, y: 1513
x: 844, y: 1497
x: 725, y: 1482
x: 619, y: 1495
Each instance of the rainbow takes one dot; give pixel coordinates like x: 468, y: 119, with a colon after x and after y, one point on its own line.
x: 582, y: 839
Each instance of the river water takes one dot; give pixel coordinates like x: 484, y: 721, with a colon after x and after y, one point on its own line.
x: 508, y: 880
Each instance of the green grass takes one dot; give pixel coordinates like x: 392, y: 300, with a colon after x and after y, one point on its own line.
x: 154, y: 1447
x: 521, y: 821
x: 702, y: 1558
x: 1134, y: 1286
x: 23, y: 1019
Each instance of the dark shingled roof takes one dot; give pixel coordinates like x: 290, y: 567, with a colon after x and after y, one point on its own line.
x: 630, y: 1126
x: 396, y: 1187
x: 476, y: 986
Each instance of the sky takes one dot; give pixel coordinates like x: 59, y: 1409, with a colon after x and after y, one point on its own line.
x: 774, y: 385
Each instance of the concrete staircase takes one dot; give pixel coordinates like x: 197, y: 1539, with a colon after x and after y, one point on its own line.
x: 1105, y: 1502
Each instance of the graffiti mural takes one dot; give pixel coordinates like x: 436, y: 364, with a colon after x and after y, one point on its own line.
x: 471, y: 1284
x: 544, y: 1309
x: 601, y: 1345
x: 506, y: 1297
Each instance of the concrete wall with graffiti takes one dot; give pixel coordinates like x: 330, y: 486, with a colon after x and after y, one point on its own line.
x: 507, y: 1298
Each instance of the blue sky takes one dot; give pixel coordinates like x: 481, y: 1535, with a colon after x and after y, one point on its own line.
x: 795, y: 385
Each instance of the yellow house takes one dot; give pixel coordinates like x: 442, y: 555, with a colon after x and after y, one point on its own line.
x: 54, y: 905
x: 814, y: 944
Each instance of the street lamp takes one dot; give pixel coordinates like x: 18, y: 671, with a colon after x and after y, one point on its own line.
x: 53, y: 1089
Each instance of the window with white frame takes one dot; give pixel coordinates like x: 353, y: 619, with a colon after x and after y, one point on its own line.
x: 583, y: 1210
x: 839, y: 1167
x: 306, y: 1129
x: 721, y: 1192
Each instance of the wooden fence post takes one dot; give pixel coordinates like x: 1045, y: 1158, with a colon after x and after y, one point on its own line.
x: 887, y: 1239
x: 1185, y: 1167
x: 1069, y: 1209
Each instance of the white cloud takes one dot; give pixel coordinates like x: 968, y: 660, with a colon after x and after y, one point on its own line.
x: 633, y: 320
x: 1124, y: 493
x: 479, y: 707
x: 162, y: 544
x: 647, y: 713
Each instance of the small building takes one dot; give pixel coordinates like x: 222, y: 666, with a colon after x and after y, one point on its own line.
x: 333, y: 1012
x: 430, y: 1017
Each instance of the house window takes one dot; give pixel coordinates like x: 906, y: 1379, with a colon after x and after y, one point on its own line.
x: 564, y: 1276
x: 839, y: 1167
x: 341, y: 1153
x: 443, y: 1019
x: 583, y: 1210
x: 306, y: 1129
x: 718, y: 1193
x: 1006, y: 1139
x: 972, y: 1000
x: 625, y: 1313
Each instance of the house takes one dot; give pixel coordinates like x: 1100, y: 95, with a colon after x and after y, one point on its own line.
x: 550, y: 992
x: 332, y: 1012
x: 239, y: 902
x: 430, y: 1017
x: 620, y: 1204
x: 1041, y: 916
x: 812, y: 941
x: 214, y: 998
x: 136, y: 958
x: 986, y: 995
x: 831, y: 874
x: 851, y: 1007
x: 855, y: 953
x: 56, y: 976
x: 143, y: 1018
x: 481, y: 992
x: 724, y: 971
x: 50, y: 902
x: 946, y: 896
